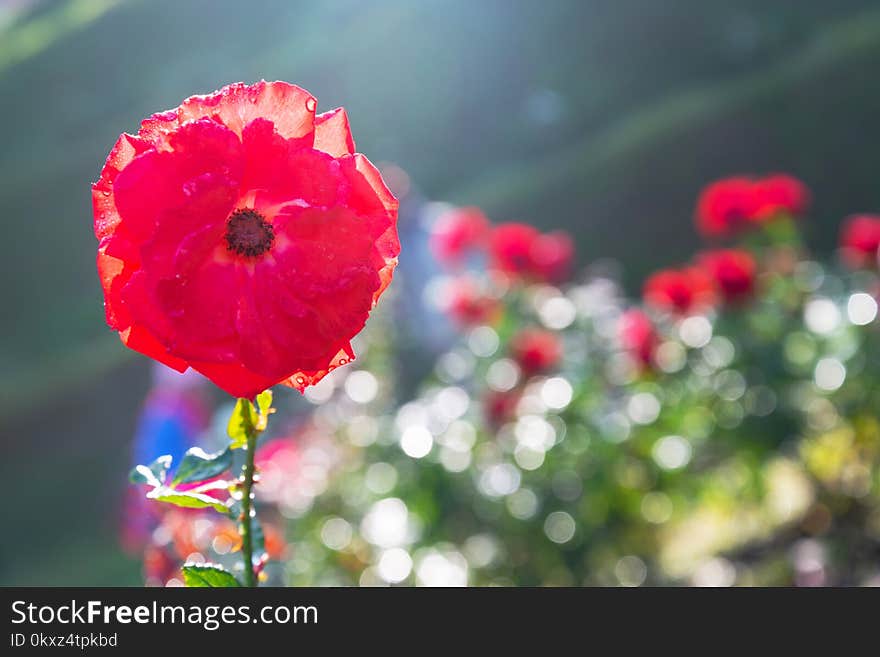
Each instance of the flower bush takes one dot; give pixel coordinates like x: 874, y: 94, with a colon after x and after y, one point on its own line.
x: 721, y: 431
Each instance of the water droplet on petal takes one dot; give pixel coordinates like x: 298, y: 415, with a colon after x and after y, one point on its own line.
x: 311, y: 104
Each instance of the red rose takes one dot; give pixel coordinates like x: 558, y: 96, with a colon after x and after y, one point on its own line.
x: 637, y: 336
x: 679, y: 291
x: 731, y: 205
x: 552, y: 255
x: 733, y: 272
x: 511, y: 246
x: 242, y: 236
x: 726, y: 207
x: 457, y: 232
x: 780, y: 194
x: 860, y: 240
x: 521, y: 250
x: 536, y: 351
x: 468, y: 306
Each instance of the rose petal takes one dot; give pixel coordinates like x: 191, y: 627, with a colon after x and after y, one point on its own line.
x: 333, y: 134
x: 123, y: 152
x: 290, y: 108
x: 207, y: 159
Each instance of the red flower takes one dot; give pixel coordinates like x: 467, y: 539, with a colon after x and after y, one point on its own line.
x: 536, y: 351
x: 860, y: 240
x: 552, y: 255
x: 732, y: 270
x: 500, y: 407
x: 726, y: 207
x: 780, y: 194
x: 521, y: 250
x: 457, y: 232
x: 731, y: 205
x: 511, y: 246
x: 679, y: 291
x: 242, y: 236
x: 637, y: 336
x: 468, y: 306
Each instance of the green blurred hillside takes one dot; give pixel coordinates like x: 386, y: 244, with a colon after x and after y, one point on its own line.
x: 602, y: 117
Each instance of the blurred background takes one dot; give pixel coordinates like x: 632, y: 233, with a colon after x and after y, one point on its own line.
x: 602, y: 118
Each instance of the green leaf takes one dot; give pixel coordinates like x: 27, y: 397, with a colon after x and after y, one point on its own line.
x: 234, y: 510
x: 197, y: 465
x: 242, y: 423
x: 214, y: 484
x: 153, y: 474
x: 186, y: 498
x: 208, y: 575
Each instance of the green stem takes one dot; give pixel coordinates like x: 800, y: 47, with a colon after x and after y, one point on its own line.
x: 247, y: 541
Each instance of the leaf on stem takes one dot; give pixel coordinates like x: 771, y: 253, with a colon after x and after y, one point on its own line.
x: 153, y: 474
x: 242, y: 423
x: 186, y: 498
x: 197, y: 465
x: 208, y: 575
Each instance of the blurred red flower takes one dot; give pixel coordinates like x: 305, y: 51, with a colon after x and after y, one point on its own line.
x: 780, y: 194
x: 637, y: 336
x: 732, y: 270
x: 860, y: 240
x: 725, y: 207
x: 679, y: 291
x: 729, y: 206
x: 469, y: 306
x: 457, y: 232
x: 242, y: 236
x: 536, y: 350
x: 552, y: 256
x: 522, y: 250
x: 511, y: 246
x: 500, y: 407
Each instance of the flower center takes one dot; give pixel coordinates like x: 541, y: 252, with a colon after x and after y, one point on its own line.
x: 248, y: 233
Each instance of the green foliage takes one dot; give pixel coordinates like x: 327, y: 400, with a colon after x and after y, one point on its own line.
x: 208, y: 575
x: 242, y: 423
x: 746, y: 452
x: 152, y: 474
x: 196, y: 466
x: 186, y: 498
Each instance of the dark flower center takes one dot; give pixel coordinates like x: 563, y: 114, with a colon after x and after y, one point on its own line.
x: 248, y: 233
